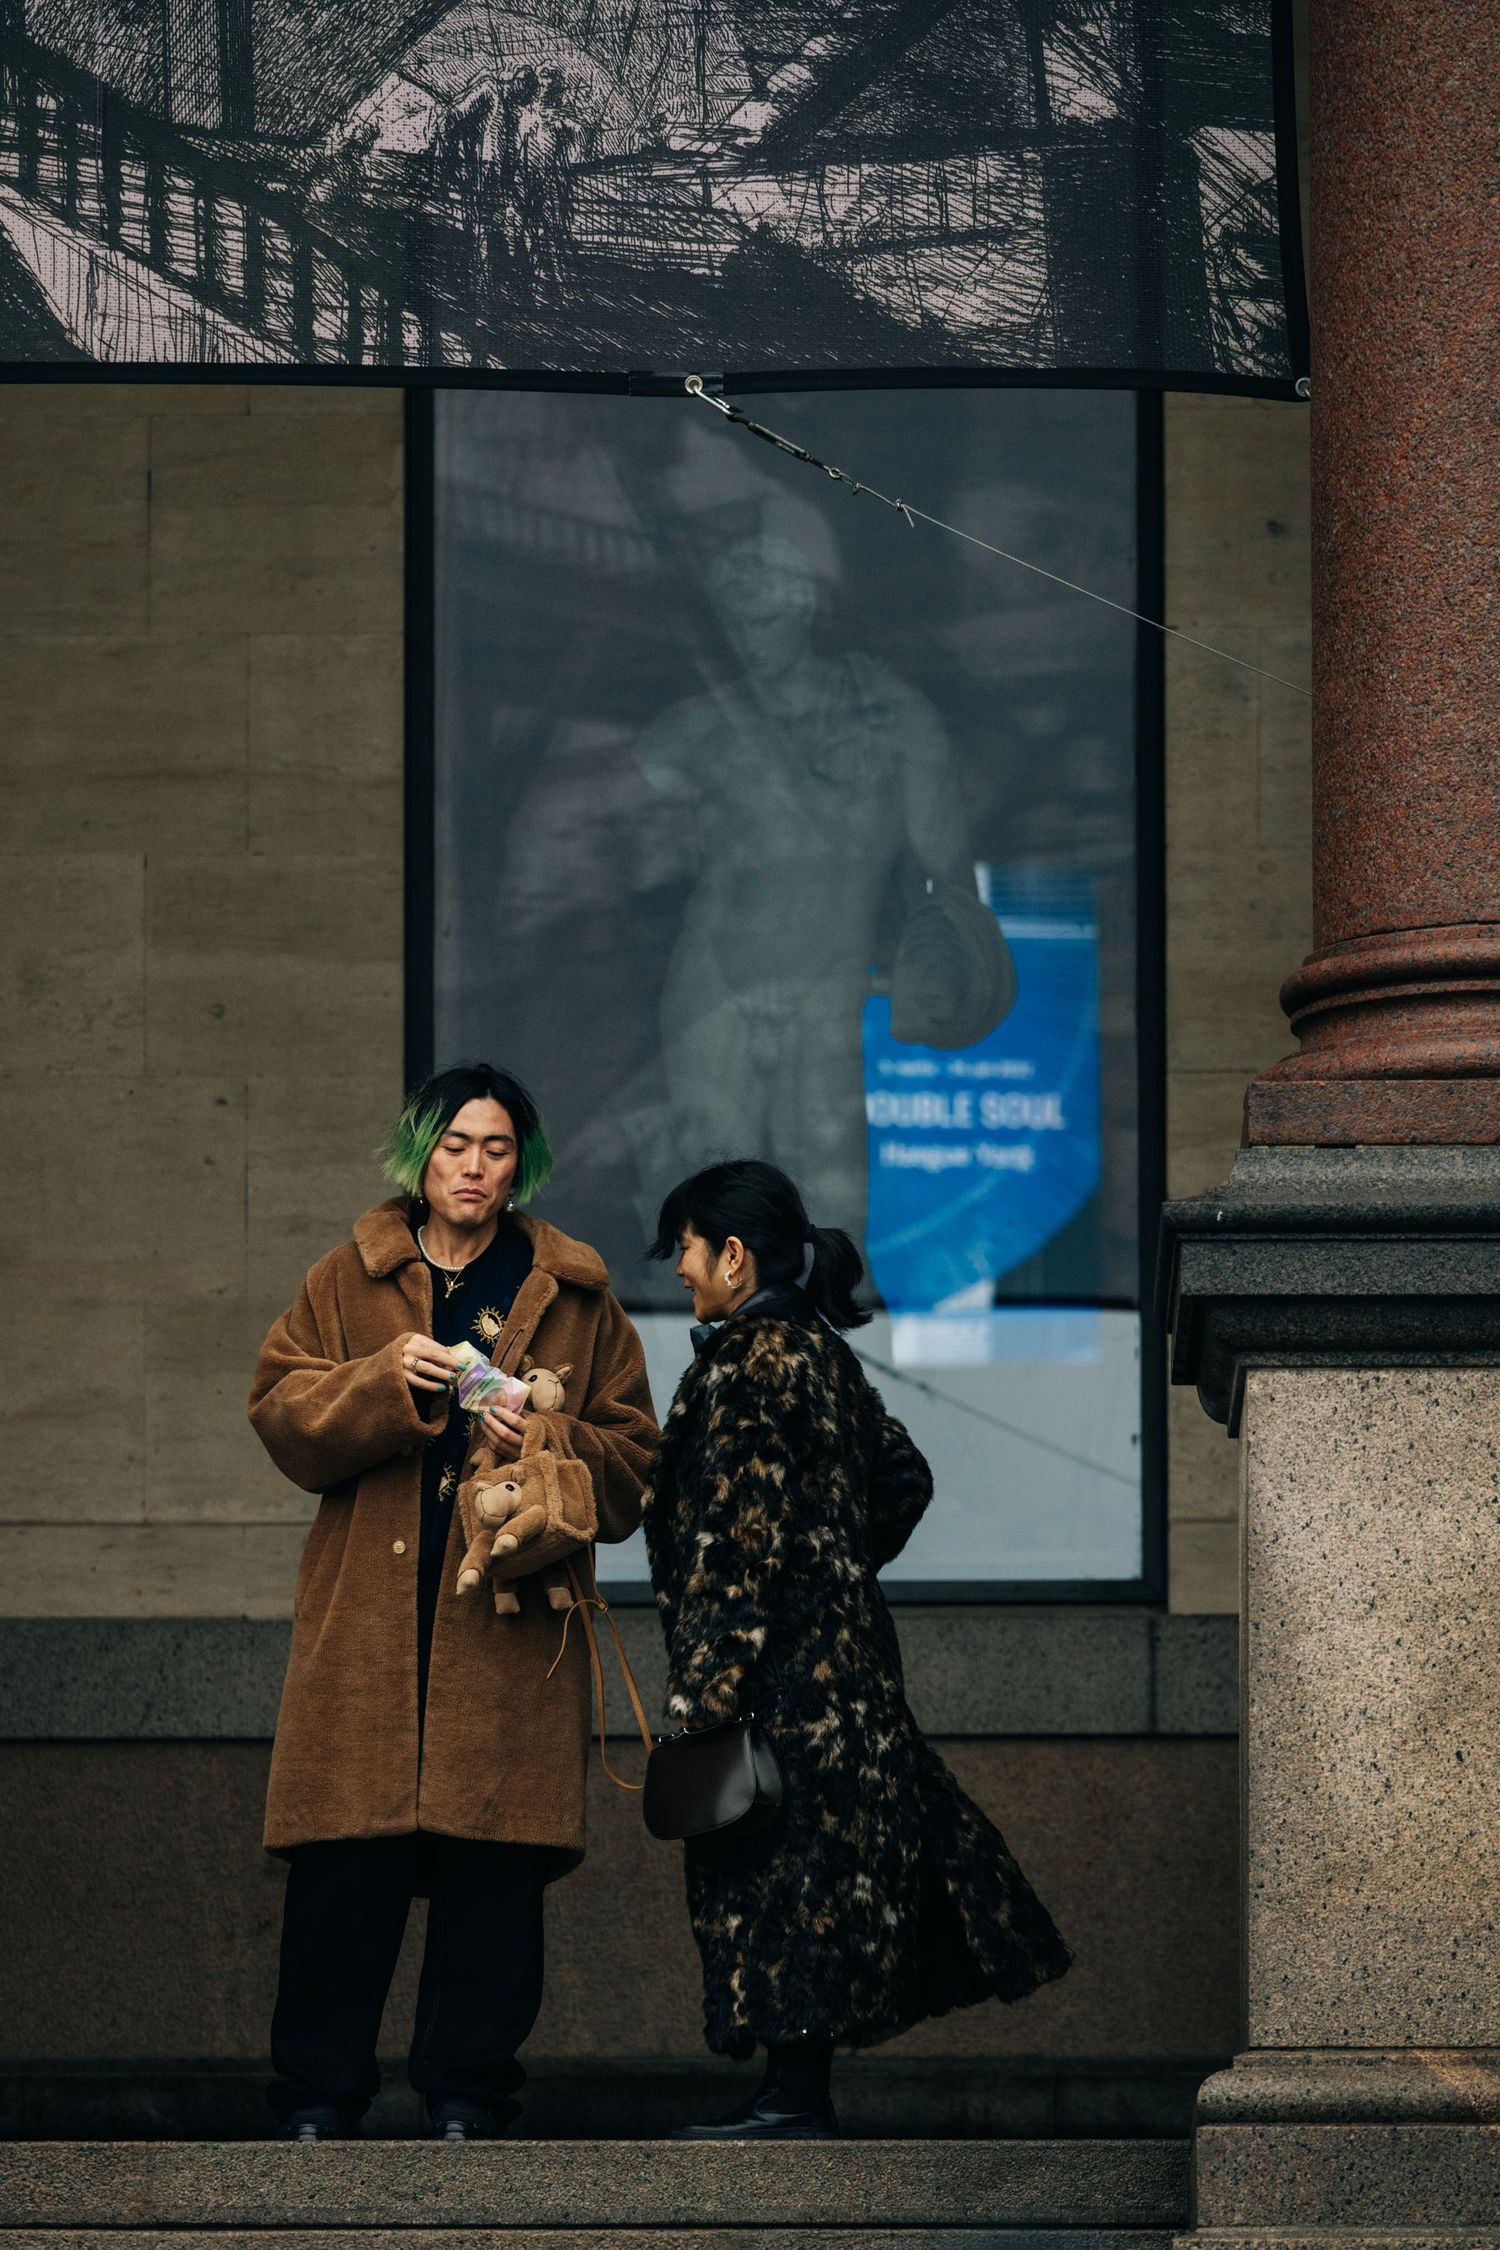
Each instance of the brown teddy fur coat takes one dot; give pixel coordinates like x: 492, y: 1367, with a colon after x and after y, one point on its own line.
x: 503, y: 1752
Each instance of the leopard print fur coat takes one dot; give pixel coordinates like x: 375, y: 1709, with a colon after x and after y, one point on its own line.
x: 882, y: 1895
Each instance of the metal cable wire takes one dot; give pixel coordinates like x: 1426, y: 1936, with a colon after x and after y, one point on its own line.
x: 693, y: 384
x: 995, y: 1421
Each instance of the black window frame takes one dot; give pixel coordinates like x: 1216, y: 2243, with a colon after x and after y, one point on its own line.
x: 1148, y: 1590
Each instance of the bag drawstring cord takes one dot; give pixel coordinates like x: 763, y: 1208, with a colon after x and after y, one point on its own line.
x: 582, y: 1603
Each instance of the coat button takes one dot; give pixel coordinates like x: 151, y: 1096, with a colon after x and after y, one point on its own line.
x: 399, y: 1548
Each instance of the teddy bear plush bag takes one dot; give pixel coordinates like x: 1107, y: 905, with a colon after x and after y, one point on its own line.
x: 536, y: 1517
x: 528, y: 1517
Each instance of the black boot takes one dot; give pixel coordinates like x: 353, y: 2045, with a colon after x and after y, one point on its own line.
x: 793, y: 2103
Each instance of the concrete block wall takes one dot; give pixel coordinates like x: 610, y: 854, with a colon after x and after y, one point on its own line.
x: 200, y: 927
x: 200, y: 655
x: 200, y: 946
x: 1239, y: 878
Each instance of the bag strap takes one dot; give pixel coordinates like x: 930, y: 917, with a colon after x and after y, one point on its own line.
x: 583, y: 1602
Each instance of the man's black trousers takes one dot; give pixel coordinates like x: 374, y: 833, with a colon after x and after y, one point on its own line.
x: 481, y: 1986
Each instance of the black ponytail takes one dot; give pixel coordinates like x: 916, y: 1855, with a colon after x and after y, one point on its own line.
x: 837, y: 1271
x: 763, y: 1207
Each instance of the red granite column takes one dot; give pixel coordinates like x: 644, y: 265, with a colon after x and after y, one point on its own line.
x: 1398, y: 1006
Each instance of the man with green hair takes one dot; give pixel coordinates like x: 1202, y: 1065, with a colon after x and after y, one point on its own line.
x: 432, y: 1743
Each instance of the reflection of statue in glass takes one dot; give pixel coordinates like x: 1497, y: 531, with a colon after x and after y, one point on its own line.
x: 818, y: 780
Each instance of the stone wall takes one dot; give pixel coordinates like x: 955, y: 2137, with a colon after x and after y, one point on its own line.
x: 201, y: 670
x: 200, y: 942
x: 1123, y: 1838
x: 201, y: 933
x: 1239, y: 881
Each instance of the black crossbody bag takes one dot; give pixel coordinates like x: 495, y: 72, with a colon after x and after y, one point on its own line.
x: 723, y: 1781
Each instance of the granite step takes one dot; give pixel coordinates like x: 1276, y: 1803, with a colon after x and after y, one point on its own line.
x: 1027, y: 2195
x: 665, y: 2238
x: 634, y: 2098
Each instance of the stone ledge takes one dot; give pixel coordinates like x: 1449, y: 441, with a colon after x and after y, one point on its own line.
x: 1365, y: 1189
x: 1366, y: 2085
x: 621, y: 2238
x: 970, y: 1672
x: 591, y: 2184
x: 1332, y: 1257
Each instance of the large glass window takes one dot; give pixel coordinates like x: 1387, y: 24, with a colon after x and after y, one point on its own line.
x: 766, y: 823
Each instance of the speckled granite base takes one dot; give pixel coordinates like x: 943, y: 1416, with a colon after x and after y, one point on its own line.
x: 1348, y: 2142
x: 1371, y: 1672
x: 1343, y: 1308
x: 1371, y: 1755
x: 1347, y: 2176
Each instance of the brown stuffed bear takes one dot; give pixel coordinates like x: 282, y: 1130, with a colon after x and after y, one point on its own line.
x: 526, y: 1517
x: 547, y: 1392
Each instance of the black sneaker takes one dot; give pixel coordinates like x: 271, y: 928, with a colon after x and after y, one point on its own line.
x: 320, y: 2121
x: 765, y: 2117
x: 447, y: 2119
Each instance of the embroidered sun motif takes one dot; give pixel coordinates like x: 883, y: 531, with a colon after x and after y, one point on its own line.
x: 487, y: 1325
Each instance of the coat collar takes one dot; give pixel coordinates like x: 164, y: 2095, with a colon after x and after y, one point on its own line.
x: 385, y: 1241
x: 779, y: 1300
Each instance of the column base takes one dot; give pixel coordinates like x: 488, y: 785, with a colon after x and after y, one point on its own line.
x: 1373, y: 1112
x: 1368, y: 2150
x: 1400, y: 1041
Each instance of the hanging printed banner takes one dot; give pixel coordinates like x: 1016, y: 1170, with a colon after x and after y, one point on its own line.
x: 1027, y: 189
x: 979, y: 1156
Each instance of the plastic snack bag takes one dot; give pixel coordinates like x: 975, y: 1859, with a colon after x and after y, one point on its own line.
x: 479, y: 1385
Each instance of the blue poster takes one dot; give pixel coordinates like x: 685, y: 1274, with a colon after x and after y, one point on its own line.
x: 979, y: 1155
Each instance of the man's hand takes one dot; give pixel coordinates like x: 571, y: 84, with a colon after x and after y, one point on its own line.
x: 427, y: 1364
x: 503, y: 1430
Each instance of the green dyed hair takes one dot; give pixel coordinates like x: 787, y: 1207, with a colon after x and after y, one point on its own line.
x: 431, y: 1109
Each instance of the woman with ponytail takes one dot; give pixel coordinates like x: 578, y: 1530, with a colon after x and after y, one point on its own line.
x: 882, y: 1895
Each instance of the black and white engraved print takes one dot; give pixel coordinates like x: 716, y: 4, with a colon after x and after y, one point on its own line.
x: 1074, y: 187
